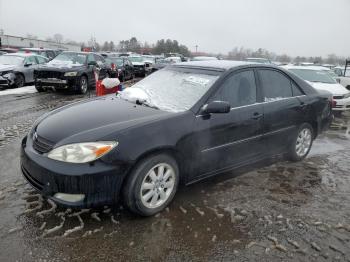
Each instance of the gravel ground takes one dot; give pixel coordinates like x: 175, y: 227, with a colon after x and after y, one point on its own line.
x: 272, y: 211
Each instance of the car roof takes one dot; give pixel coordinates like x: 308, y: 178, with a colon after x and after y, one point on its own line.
x: 216, y: 64
x: 316, y: 68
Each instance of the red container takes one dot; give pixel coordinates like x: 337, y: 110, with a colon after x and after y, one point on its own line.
x: 101, y: 90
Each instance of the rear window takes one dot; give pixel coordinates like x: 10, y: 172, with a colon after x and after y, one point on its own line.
x: 317, y: 76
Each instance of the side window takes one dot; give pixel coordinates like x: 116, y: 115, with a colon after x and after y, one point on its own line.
x: 296, y: 90
x: 90, y: 58
x: 50, y: 54
x: 99, y: 60
x: 41, y: 60
x: 275, y: 85
x: 238, y: 89
x: 31, y: 60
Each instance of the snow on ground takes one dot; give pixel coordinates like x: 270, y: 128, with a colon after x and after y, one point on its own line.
x: 18, y: 91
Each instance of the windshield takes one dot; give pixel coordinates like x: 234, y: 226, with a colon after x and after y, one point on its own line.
x: 173, y: 90
x: 74, y: 58
x: 116, y: 61
x: 136, y: 59
x: 11, y: 60
x: 314, y: 75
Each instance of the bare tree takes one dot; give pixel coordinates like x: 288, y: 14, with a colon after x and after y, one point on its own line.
x: 58, y: 38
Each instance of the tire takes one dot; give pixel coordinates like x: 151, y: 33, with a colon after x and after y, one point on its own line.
x: 39, y: 89
x: 143, y: 191
x: 82, y: 85
x: 301, y: 143
x: 19, y: 81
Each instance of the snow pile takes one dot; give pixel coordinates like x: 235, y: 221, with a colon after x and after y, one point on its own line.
x: 18, y: 91
x: 134, y: 94
x: 110, y: 82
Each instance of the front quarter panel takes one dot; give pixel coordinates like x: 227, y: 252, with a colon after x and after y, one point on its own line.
x: 170, y: 133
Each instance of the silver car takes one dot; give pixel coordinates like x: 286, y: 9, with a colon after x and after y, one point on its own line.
x: 17, y: 69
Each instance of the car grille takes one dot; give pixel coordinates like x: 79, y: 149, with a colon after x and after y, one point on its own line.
x: 139, y: 66
x: 42, y: 145
x: 48, y: 74
x: 338, y: 97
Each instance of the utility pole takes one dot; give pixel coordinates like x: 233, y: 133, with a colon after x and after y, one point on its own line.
x: 196, y: 46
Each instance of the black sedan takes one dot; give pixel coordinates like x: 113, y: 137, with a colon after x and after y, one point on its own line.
x: 184, y: 123
x: 121, y: 67
x: 71, y: 71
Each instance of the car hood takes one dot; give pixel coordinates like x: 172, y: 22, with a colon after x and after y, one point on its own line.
x: 335, y: 89
x: 6, y: 67
x: 61, y: 66
x: 91, y: 120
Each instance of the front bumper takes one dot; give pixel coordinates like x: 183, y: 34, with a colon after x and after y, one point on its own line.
x: 99, y: 181
x: 342, y: 104
x: 56, y: 83
x: 138, y: 70
x: 7, y: 80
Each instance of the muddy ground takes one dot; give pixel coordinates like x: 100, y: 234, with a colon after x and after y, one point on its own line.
x: 273, y: 211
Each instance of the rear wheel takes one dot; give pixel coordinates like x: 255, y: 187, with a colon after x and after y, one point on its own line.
x: 151, y: 185
x: 82, y: 86
x: 301, y: 144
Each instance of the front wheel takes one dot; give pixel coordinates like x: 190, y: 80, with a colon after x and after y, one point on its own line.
x: 82, y: 86
x: 19, y: 81
x: 151, y: 185
x: 301, y: 143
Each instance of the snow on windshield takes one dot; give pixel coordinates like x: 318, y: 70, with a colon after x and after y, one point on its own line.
x: 69, y: 59
x: 172, y: 90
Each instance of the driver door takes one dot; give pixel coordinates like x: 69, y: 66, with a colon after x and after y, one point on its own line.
x: 30, y: 64
x: 230, y: 139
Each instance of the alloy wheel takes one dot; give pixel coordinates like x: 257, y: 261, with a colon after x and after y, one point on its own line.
x: 157, y: 185
x: 303, y: 143
x: 83, y: 85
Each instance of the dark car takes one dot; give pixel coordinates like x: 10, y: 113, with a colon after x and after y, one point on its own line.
x: 48, y: 53
x: 121, y: 67
x: 142, y: 66
x: 184, y: 123
x: 70, y: 71
x: 17, y: 69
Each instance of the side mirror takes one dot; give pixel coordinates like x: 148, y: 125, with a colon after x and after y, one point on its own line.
x: 216, y: 107
x: 28, y: 64
x: 92, y: 63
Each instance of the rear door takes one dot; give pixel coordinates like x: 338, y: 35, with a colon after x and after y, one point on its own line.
x: 282, y: 109
x: 234, y: 138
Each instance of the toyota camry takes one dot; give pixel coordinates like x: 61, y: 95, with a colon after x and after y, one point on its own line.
x: 182, y: 124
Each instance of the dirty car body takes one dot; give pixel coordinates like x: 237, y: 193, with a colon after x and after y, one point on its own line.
x: 204, y: 143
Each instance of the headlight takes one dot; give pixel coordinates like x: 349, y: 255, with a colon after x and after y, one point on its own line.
x: 347, y: 95
x: 71, y: 74
x: 81, y: 152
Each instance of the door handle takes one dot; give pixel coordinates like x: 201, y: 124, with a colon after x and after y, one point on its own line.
x: 257, y: 116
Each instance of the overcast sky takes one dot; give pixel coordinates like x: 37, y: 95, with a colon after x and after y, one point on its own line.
x: 295, y: 27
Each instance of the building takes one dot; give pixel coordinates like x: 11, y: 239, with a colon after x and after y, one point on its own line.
x: 9, y: 41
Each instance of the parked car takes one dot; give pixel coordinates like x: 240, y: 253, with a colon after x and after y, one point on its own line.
x: 9, y: 50
x: 174, y: 59
x: 71, y: 71
x: 184, y: 123
x: 203, y: 58
x: 160, y: 64
x: 322, y: 80
x: 2, y: 52
x: 141, y: 67
x: 17, y: 69
x: 48, y: 53
x: 258, y: 60
x: 343, y: 75
x: 121, y: 67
